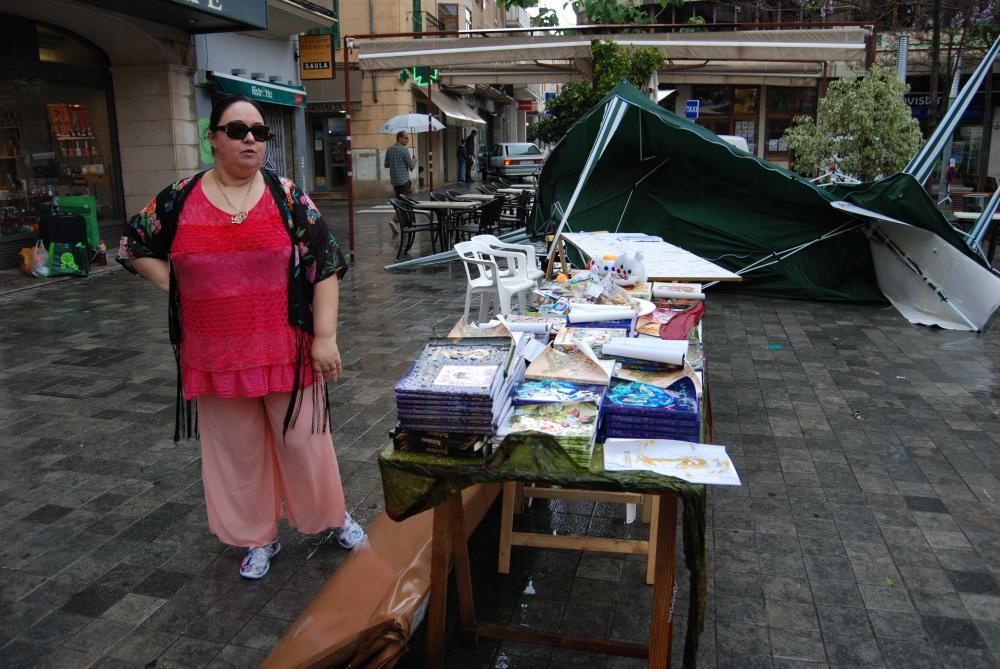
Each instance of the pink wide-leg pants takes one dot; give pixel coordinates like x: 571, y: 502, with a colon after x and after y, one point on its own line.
x: 248, y: 468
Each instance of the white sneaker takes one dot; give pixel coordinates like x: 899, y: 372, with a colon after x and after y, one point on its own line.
x: 350, y: 534
x: 258, y: 561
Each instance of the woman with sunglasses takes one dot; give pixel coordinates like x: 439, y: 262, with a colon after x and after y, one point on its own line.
x: 252, y: 273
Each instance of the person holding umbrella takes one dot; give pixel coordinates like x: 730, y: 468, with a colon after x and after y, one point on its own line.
x: 400, y: 163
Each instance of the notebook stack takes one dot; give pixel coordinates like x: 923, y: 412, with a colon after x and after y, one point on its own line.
x: 456, y: 388
x: 634, y: 410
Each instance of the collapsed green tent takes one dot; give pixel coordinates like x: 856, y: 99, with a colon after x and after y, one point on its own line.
x: 631, y: 166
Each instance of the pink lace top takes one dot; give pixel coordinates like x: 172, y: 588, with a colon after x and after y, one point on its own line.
x: 233, y: 286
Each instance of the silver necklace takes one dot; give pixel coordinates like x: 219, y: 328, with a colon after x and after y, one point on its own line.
x: 241, y: 212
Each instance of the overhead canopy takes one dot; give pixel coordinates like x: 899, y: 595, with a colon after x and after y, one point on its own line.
x: 263, y: 91
x: 631, y: 166
x: 455, y: 111
x: 834, y: 44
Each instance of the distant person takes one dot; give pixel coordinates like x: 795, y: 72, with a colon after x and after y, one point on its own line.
x: 463, y: 161
x: 253, y: 277
x: 400, y: 163
x: 470, y: 153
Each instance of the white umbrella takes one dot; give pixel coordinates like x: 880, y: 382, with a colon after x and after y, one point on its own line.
x: 411, y: 123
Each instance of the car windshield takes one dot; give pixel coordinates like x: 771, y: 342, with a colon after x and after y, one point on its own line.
x: 523, y: 150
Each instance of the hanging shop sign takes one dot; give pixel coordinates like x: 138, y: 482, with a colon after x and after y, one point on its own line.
x: 525, y: 105
x: 420, y: 76
x: 315, y: 57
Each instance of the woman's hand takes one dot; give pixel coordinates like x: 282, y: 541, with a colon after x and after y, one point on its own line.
x: 326, y: 358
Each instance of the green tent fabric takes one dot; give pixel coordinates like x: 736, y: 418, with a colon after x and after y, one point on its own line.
x: 663, y: 175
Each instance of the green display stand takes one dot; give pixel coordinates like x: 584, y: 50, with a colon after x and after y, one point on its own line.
x: 86, y: 206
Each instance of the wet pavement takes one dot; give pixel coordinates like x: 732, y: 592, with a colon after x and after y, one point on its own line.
x: 867, y: 532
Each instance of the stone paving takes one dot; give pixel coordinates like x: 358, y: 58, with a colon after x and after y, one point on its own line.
x: 867, y: 532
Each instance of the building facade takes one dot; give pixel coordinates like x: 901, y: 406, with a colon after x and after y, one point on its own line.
x: 109, y: 99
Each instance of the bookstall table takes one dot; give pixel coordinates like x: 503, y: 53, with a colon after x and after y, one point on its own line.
x: 415, y: 482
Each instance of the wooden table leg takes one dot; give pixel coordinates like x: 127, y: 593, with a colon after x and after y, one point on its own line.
x: 653, y: 502
x: 438, y: 605
x: 660, y: 634
x: 463, y: 572
x: 506, y: 525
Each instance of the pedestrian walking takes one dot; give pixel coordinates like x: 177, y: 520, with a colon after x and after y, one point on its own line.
x: 470, y: 152
x: 400, y: 163
x: 252, y: 272
x: 463, y: 160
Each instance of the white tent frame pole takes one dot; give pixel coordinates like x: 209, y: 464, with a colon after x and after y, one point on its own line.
x: 613, y: 114
x: 777, y: 256
x: 978, y: 231
x: 636, y: 185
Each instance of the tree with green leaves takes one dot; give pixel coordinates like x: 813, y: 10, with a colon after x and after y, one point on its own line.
x: 863, y: 128
x: 612, y: 63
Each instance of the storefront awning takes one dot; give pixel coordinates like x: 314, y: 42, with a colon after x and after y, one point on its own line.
x: 834, y: 44
x: 455, y: 111
x: 261, y: 91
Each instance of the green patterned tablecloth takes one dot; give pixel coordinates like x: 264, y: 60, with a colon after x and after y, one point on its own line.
x: 415, y: 482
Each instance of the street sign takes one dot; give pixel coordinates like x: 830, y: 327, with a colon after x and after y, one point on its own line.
x: 691, y: 108
x: 525, y: 105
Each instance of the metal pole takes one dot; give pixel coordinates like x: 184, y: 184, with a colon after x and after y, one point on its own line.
x: 350, y: 158
x: 430, y: 140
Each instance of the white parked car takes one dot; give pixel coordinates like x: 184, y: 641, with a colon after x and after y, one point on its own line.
x: 515, y: 160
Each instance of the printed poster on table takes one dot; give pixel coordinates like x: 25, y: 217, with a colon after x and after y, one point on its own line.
x: 695, y: 463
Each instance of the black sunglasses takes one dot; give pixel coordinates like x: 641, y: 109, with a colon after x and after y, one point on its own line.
x: 237, y: 130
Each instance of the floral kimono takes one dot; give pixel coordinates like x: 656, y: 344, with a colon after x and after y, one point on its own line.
x: 315, y: 256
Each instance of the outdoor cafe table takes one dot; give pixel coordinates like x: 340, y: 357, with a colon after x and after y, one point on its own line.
x: 515, y: 190
x: 415, y: 482
x: 447, y: 209
x: 480, y: 197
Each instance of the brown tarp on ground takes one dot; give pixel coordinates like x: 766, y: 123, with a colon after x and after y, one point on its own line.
x: 364, y: 615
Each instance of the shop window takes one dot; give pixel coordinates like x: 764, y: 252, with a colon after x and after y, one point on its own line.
x: 468, y: 19
x: 730, y: 110
x: 784, y: 103
x: 448, y: 15
x: 56, y: 131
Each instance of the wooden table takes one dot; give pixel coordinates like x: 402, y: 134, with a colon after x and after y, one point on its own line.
x: 415, y: 482
x: 664, y: 261
x: 448, y: 543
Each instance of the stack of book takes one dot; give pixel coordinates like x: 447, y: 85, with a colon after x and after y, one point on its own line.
x: 639, y: 410
x: 572, y: 424
x: 456, y: 388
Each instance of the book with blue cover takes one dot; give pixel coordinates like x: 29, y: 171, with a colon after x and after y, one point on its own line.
x: 548, y: 390
x: 641, y: 399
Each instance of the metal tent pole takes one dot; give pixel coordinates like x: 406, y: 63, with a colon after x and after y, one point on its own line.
x: 349, y: 157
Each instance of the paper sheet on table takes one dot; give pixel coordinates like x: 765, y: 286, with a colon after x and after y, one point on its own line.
x: 587, y: 313
x: 678, y: 291
x: 491, y: 329
x: 532, y: 324
x: 696, y: 463
x: 667, y: 351
x: 677, y: 294
x: 575, y: 367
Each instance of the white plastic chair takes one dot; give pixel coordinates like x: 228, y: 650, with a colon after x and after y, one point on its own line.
x: 528, y: 250
x: 493, y: 283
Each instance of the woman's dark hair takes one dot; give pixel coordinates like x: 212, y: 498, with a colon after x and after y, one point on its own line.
x: 220, y: 107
